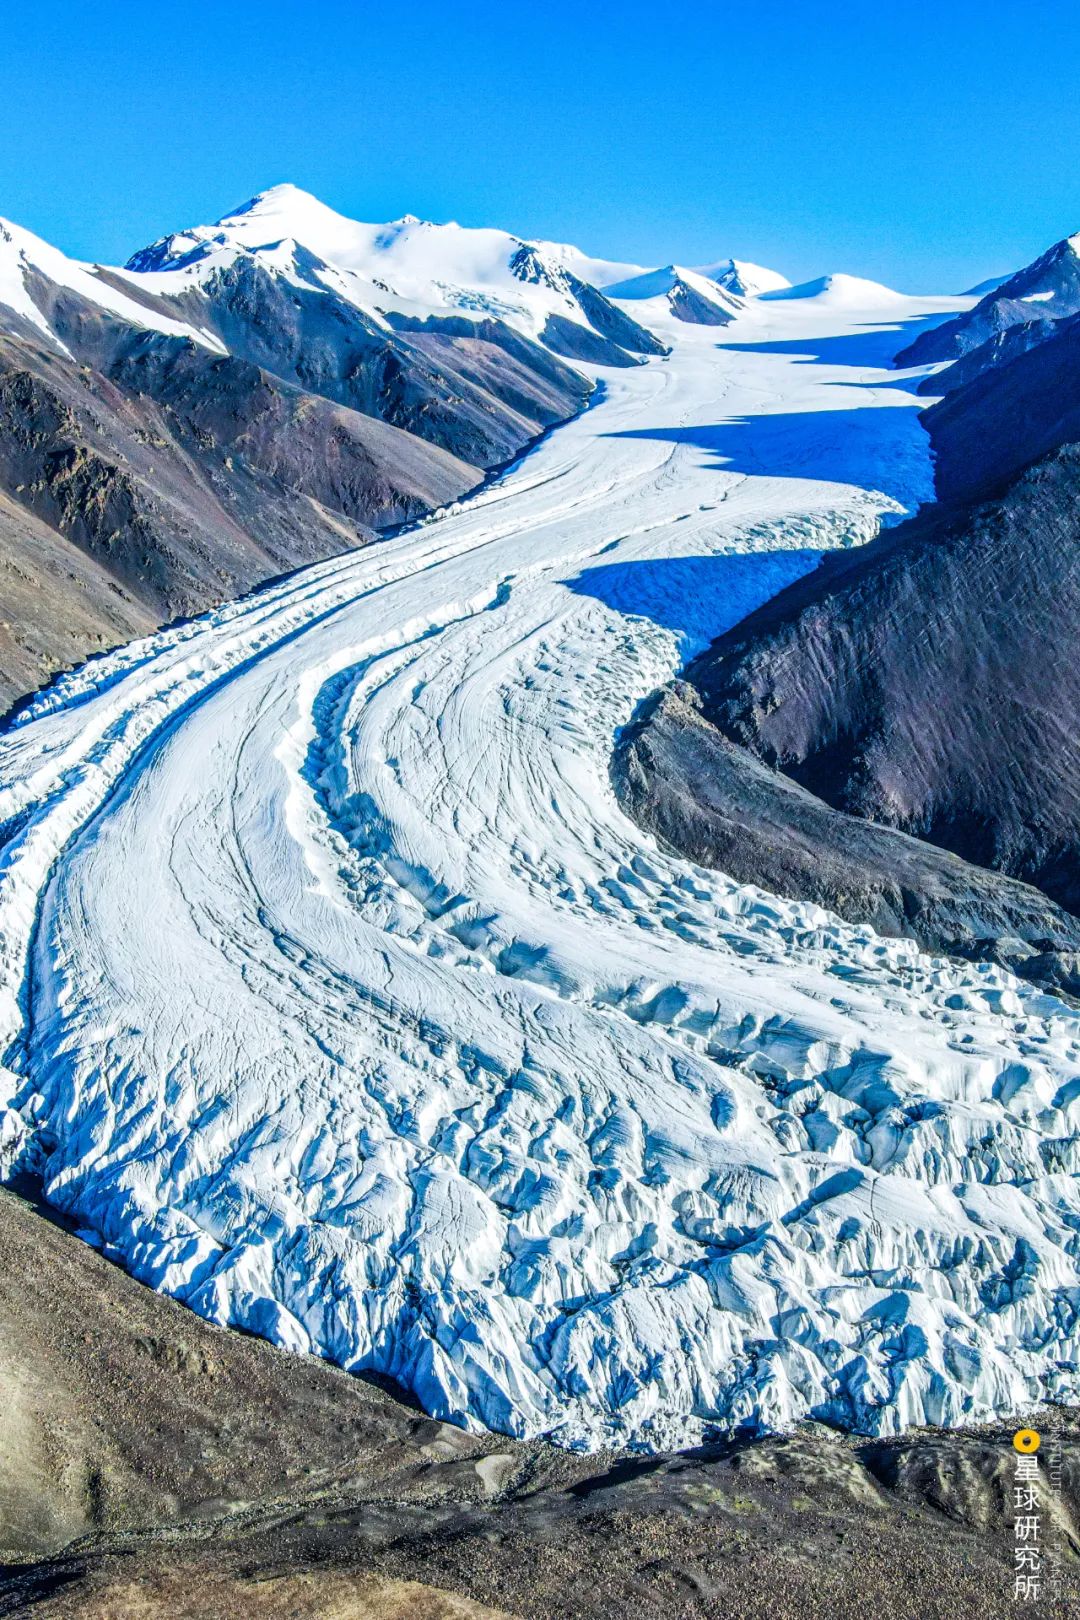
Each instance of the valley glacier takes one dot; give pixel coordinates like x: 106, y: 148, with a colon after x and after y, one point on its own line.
x: 340, y: 999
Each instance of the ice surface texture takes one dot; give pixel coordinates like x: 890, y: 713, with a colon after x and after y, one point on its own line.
x: 341, y: 1000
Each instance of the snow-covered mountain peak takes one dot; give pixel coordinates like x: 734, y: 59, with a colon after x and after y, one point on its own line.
x: 687, y: 294
x: 839, y: 290
x: 530, y: 264
x: 649, y: 284
x: 287, y: 212
x: 276, y: 202
x: 407, y: 266
x: 744, y: 279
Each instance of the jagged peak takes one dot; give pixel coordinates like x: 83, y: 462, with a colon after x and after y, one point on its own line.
x: 744, y: 279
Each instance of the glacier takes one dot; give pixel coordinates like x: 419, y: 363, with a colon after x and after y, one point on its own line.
x: 339, y: 998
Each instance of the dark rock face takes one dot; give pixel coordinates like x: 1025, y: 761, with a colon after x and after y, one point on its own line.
x: 59, y: 603
x: 1020, y: 299
x: 928, y: 681
x: 149, y: 477
x: 189, y: 476
x: 481, y: 394
x: 576, y: 342
x: 689, y: 305
x: 996, y: 351
x: 1022, y: 401
x: 614, y: 324
x: 717, y: 803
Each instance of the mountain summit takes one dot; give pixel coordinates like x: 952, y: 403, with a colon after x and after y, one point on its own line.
x: 685, y: 294
x: 410, y: 268
x: 742, y: 278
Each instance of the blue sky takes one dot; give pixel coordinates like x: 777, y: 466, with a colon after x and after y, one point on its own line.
x: 923, y: 145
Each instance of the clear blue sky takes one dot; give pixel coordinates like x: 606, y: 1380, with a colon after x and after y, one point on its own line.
x: 923, y: 145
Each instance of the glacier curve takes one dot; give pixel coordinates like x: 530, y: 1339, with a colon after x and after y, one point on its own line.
x: 340, y: 999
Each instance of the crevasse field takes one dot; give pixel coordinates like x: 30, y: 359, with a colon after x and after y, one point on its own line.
x: 341, y: 1000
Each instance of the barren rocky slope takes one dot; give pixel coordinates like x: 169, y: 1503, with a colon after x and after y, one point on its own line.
x: 1017, y: 408
x: 718, y: 803
x: 927, y: 681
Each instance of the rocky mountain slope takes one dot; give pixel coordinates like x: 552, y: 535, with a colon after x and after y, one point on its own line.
x: 681, y: 776
x: 1021, y: 403
x: 1044, y: 291
x: 902, y: 683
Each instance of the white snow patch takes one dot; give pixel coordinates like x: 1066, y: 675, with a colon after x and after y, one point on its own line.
x: 840, y: 291
x: 13, y: 289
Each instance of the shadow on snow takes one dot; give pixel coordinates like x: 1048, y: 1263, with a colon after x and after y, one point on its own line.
x: 698, y: 597
x: 874, y: 345
x: 872, y: 447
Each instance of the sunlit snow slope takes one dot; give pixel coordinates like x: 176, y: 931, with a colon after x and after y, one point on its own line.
x: 344, y: 1003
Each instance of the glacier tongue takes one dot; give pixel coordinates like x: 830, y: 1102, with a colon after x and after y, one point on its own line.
x: 341, y: 1000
